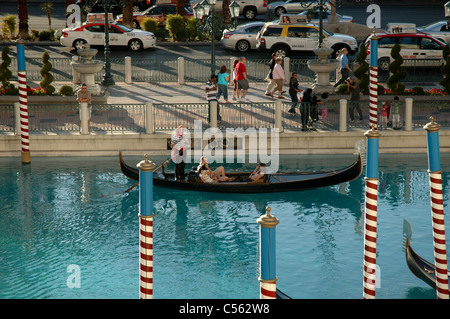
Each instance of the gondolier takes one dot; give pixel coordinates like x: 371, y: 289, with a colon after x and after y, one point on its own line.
x: 179, y: 143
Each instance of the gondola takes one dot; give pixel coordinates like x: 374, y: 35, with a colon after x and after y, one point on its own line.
x: 420, y: 267
x: 278, y: 182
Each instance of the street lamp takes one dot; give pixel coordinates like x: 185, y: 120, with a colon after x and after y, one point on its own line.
x: 447, y: 14
x: 322, y: 5
x: 204, y: 12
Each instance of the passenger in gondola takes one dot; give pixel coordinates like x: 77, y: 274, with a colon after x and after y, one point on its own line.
x: 258, y: 173
x: 209, y: 176
x: 179, y: 144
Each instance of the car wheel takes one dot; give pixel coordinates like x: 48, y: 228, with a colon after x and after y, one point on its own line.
x: 250, y: 13
x: 79, y: 44
x: 383, y: 64
x: 136, y: 8
x: 135, y: 45
x: 279, y: 11
x: 242, y: 46
x: 281, y: 51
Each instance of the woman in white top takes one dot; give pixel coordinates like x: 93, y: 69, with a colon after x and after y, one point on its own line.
x: 278, y: 77
x: 233, y: 72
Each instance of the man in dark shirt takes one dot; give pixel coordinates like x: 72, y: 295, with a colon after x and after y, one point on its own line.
x: 355, y: 96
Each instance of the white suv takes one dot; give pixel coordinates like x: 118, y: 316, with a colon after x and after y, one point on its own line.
x: 285, y: 38
x: 249, y: 8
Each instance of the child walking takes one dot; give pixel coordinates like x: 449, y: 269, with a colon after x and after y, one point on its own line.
x: 384, y: 115
x: 324, y: 106
x: 222, y: 84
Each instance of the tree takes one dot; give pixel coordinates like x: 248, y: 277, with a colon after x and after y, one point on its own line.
x: 46, y: 75
x: 226, y: 14
x: 128, y: 14
x: 23, y: 19
x: 47, y: 7
x: 398, y: 73
x: 445, y: 81
x: 180, y: 7
x: 361, y: 71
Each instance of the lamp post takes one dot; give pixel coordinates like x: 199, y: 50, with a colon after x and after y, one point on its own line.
x: 447, y: 14
x: 321, y: 5
x: 205, y: 14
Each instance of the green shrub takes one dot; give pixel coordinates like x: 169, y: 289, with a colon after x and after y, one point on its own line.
x: 149, y: 24
x: 9, y: 26
x: 417, y: 90
x: 46, y: 35
x: 5, y: 72
x: 380, y: 89
x: 175, y: 24
x: 191, y: 28
x: 34, y: 34
x: 66, y: 90
x: 342, y: 89
x: 362, y: 71
x: 398, y: 73
x: 160, y: 34
x: 46, y: 75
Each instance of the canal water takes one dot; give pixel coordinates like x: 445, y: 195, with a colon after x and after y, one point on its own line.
x: 62, y: 217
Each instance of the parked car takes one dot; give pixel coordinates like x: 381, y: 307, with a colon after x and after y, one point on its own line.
x: 418, y: 48
x: 141, y: 5
x: 292, y: 6
x: 119, y: 35
x: 249, y: 8
x: 243, y: 38
x: 438, y: 30
x: 283, y: 39
x: 315, y: 16
x: 158, y: 12
x: 98, y: 7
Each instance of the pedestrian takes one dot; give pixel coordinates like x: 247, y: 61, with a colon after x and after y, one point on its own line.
x: 324, y: 106
x: 396, y: 113
x: 242, y: 81
x: 222, y: 83
x: 293, y: 92
x: 305, y: 107
x: 355, y: 96
x: 344, y: 68
x: 179, y: 144
x: 211, y: 95
x: 271, y: 84
x: 384, y: 115
x: 278, y: 76
x: 233, y: 72
x: 84, y: 96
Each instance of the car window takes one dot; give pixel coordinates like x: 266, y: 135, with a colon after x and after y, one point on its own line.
x: 409, y: 42
x: 157, y: 10
x: 253, y: 29
x: 96, y: 28
x: 296, y: 32
x: 312, y: 33
x: 273, y: 32
x: 114, y: 29
x: 444, y: 28
x: 429, y: 44
x: 171, y: 10
x: 386, y: 42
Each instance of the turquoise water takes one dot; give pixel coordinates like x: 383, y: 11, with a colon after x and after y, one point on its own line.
x: 73, y: 211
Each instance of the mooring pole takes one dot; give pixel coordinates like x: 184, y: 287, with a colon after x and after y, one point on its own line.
x: 23, y: 100
x: 373, y: 82
x: 146, y: 168
x: 437, y: 209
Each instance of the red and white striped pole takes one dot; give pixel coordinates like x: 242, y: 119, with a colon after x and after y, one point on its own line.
x: 370, y: 215
x: 373, y: 82
x: 437, y: 210
x: 23, y: 102
x: 146, y: 168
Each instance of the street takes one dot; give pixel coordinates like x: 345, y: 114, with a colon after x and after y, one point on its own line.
x: 420, y: 15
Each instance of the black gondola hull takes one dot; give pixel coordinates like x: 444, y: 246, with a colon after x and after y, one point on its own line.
x: 275, y: 183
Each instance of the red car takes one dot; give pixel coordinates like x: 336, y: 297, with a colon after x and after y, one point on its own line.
x: 158, y: 12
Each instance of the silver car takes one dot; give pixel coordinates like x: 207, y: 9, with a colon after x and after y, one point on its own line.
x: 292, y: 6
x: 438, y: 30
x: 243, y: 38
x: 315, y: 16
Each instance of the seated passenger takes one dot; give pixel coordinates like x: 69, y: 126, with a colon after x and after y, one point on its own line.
x: 208, y: 176
x: 259, y: 172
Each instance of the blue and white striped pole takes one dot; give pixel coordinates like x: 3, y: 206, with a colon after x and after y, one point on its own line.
x: 146, y: 168
x: 370, y: 215
x: 373, y: 82
x: 437, y: 210
x: 23, y: 103
x: 267, y: 240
